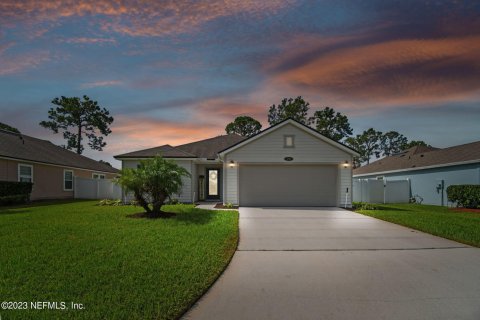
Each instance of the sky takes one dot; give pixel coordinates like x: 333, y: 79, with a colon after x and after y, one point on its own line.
x: 173, y: 71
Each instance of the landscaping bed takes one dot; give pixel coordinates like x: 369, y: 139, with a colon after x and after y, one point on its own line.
x: 440, y: 221
x: 114, y: 266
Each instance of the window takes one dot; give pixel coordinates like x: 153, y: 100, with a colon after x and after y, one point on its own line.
x: 25, y: 173
x: 289, y: 141
x: 98, y: 176
x: 67, y: 180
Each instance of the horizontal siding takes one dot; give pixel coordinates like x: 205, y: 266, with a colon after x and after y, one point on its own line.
x: 308, y: 149
x: 231, y: 183
x: 186, y: 193
x: 345, y: 181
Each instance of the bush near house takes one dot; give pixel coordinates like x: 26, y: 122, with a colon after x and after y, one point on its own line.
x: 12, y: 192
x: 466, y: 195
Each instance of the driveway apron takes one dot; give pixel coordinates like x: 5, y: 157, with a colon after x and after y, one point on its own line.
x: 330, y: 263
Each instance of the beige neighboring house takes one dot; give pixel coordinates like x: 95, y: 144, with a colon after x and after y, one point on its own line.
x: 51, y: 168
x: 285, y: 165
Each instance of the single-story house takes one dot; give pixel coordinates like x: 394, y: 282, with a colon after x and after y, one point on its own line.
x: 429, y: 170
x: 51, y: 168
x: 288, y: 164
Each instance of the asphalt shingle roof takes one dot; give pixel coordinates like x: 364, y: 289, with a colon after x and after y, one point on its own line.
x: 418, y: 157
x: 23, y: 147
x: 207, y: 148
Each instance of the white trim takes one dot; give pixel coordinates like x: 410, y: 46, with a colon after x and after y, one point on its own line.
x: 452, y: 164
x: 298, y: 125
x: 53, y: 165
x: 98, y: 174
x: 146, y: 158
x: 24, y: 165
x: 65, y: 171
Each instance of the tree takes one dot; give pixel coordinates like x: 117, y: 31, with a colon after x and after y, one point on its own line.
x: 392, y: 142
x: 153, y: 182
x: 244, y: 126
x: 367, y: 144
x: 5, y: 126
x: 330, y: 124
x: 353, y: 143
x: 289, y: 108
x: 415, y: 143
x: 78, y: 118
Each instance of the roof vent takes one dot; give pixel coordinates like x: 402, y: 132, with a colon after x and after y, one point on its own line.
x: 421, y: 156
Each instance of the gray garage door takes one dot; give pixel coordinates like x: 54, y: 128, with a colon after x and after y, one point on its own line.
x: 288, y: 185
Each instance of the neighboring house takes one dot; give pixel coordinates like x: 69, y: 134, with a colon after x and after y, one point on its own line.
x: 288, y: 164
x: 429, y: 170
x: 51, y: 168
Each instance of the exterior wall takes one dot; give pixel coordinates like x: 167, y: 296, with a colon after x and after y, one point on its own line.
x: 424, y: 182
x: 270, y: 149
x: 186, y: 195
x: 47, y: 179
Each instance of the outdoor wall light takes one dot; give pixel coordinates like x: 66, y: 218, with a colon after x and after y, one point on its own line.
x: 345, y: 165
x: 231, y: 164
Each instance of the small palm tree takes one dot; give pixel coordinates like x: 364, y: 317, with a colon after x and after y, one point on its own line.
x: 153, y: 182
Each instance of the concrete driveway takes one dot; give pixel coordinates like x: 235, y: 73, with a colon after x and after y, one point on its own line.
x: 329, y: 263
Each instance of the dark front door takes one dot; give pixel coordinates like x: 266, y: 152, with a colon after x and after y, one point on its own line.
x: 213, y: 183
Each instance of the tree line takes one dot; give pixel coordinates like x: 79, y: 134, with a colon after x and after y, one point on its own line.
x: 331, y: 124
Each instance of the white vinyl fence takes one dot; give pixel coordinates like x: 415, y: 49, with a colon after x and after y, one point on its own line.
x: 86, y: 188
x: 381, y: 191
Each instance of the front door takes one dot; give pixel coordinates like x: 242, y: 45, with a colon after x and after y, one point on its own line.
x: 213, y: 183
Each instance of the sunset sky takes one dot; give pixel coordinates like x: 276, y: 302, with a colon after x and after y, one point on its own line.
x: 177, y: 71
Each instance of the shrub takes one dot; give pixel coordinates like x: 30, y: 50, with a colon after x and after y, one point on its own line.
x: 12, y: 192
x: 108, y: 202
x: 364, y: 206
x: 173, y: 201
x: 229, y: 205
x: 465, y: 195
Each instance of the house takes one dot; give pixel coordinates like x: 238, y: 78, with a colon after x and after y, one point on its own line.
x: 288, y: 164
x: 51, y: 168
x: 429, y: 170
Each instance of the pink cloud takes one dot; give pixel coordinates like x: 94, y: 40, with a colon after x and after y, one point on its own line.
x: 145, y: 18
x: 86, y: 40
x: 106, y: 83
x: 389, y: 73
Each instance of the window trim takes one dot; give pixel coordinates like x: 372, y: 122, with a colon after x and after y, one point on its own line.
x: 285, y: 140
x: 64, y: 180
x: 98, y: 175
x: 24, y: 165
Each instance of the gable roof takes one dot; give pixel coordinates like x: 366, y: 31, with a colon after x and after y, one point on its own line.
x: 421, y: 157
x: 207, y: 148
x: 298, y: 125
x: 23, y: 147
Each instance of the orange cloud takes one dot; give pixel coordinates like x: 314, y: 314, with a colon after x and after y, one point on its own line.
x: 135, y: 133
x: 391, y: 72
x: 136, y: 18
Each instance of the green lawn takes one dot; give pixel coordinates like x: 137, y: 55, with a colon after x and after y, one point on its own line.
x: 459, y: 226
x: 117, y: 267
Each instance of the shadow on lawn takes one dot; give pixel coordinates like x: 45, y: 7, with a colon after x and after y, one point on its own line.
x: 195, y: 216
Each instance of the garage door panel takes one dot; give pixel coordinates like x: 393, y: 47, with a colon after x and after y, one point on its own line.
x: 288, y: 185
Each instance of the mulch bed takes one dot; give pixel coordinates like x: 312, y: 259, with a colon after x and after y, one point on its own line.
x: 465, y: 210
x: 144, y: 215
x: 221, y: 206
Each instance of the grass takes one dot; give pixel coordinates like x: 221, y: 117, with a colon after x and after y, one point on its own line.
x: 115, y: 266
x: 440, y: 221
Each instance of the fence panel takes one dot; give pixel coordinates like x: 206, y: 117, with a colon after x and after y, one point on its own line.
x: 381, y: 191
x: 86, y: 188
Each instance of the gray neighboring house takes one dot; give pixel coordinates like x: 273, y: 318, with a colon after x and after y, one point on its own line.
x: 288, y: 164
x: 430, y: 170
